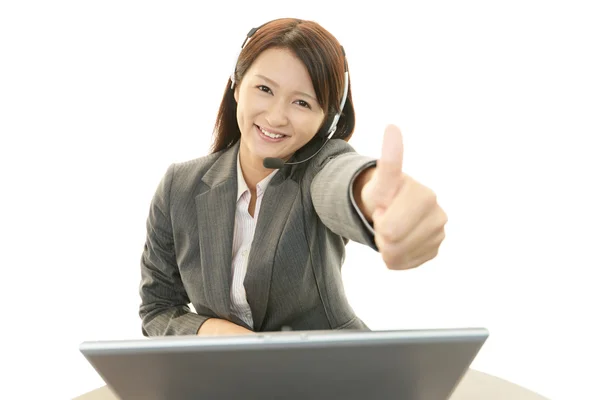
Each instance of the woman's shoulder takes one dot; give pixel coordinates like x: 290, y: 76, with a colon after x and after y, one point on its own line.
x: 188, y: 176
x: 332, y: 149
x: 197, y: 165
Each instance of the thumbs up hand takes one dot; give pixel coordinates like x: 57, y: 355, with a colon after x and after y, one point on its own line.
x: 407, y: 220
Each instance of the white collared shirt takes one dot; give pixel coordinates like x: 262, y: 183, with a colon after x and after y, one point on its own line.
x: 243, y: 233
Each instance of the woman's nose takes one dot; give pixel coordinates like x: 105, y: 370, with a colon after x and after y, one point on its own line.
x: 277, y: 114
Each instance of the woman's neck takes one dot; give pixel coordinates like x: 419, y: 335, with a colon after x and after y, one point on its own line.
x: 252, y: 168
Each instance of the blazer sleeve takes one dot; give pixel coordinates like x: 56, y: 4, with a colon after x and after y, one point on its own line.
x: 164, y: 306
x: 333, y: 199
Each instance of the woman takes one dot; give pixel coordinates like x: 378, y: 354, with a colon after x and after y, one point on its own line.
x: 253, y: 235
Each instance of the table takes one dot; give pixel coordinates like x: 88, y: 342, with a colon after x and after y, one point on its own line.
x: 475, y: 385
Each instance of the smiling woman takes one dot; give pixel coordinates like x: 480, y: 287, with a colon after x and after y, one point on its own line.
x: 277, y: 110
x: 291, y: 80
x: 256, y: 247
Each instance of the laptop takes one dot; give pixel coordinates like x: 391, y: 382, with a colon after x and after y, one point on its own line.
x: 349, y: 364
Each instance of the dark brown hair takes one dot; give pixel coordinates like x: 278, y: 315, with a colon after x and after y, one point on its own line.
x: 324, y: 59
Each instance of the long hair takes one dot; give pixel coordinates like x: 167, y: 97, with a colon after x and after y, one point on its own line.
x: 324, y: 59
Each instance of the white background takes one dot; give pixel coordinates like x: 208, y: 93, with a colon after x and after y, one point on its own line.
x: 499, y: 105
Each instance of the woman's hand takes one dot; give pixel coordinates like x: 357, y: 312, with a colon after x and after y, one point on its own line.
x: 218, y: 327
x: 408, y: 222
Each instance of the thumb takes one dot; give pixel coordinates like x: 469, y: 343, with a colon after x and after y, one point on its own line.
x: 389, y: 166
x: 388, y: 177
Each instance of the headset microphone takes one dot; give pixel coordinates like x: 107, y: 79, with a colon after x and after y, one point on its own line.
x: 276, y: 163
x: 273, y: 163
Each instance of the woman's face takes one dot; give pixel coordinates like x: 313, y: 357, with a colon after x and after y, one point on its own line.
x: 277, y: 108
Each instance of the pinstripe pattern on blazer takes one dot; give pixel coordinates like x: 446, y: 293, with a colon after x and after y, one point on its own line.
x: 294, y: 276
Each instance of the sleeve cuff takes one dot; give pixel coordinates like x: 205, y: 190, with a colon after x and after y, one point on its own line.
x: 362, y: 217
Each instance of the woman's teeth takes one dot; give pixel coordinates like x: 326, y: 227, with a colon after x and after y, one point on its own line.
x: 271, y: 135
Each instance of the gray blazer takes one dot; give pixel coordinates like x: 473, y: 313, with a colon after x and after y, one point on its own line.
x: 294, y: 276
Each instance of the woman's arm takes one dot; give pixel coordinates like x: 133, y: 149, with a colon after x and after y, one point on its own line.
x: 164, y: 308
x: 335, y: 197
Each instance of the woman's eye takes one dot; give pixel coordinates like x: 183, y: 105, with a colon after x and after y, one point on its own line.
x: 302, y: 103
x: 264, y: 88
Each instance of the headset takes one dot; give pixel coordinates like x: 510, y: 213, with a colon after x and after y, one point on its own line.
x: 276, y: 163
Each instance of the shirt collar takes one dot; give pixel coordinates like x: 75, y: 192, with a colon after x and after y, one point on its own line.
x: 241, y: 182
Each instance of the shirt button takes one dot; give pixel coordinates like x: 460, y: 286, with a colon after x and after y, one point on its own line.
x: 245, y: 253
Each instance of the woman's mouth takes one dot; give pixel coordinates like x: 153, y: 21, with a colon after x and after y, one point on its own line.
x: 269, y: 136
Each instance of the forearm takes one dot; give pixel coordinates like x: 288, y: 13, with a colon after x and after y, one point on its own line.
x: 160, y: 320
x: 335, y: 191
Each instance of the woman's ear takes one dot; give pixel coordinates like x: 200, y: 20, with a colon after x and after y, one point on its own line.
x: 236, y: 93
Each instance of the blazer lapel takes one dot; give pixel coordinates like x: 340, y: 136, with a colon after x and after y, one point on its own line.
x: 273, y: 214
x: 216, y: 214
